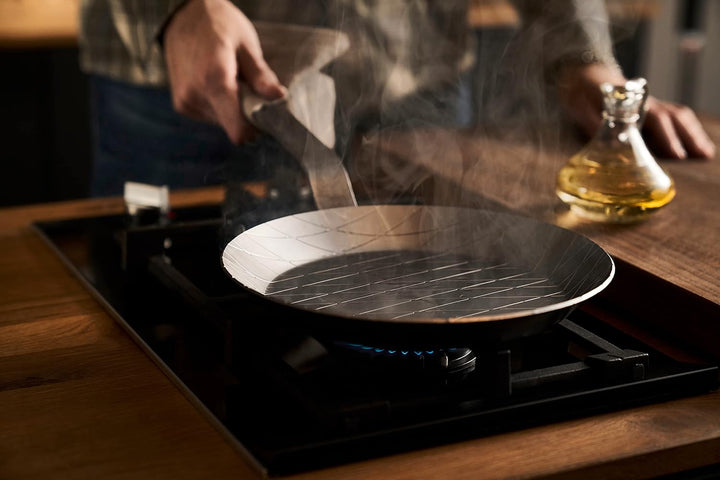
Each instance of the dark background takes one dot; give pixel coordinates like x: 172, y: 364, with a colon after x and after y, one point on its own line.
x: 45, y: 126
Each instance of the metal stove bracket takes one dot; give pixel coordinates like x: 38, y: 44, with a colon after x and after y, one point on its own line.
x: 541, y: 376
x: 612, y: 363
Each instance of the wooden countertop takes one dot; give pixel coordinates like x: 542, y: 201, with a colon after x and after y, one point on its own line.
x: 81, y: 400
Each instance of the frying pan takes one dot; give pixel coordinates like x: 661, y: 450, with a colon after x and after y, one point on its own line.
x: 399, y: 274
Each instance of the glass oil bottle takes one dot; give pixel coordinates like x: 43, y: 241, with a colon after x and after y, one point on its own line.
x: 615, y: 178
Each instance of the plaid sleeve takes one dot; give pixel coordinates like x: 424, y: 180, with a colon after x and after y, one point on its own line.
x: 120, y: 38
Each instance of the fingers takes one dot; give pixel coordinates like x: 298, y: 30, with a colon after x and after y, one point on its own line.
x: 253, y: 69
x: 691, y: 133
x: 188, y: 102
x: 209, y: 46
x: 223, y: 94
x: 662, y: 135
x: 213, y: 97
x: 675, y: 131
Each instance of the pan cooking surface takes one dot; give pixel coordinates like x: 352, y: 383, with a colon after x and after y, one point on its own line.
x: 417, y: 264
x: 396, y: 285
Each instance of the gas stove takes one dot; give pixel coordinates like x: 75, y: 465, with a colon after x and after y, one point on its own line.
x: 293, y: 399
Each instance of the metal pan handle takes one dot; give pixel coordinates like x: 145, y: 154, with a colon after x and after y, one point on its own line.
x: 328, y: 177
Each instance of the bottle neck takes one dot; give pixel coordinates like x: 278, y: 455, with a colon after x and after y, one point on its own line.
x: 623, y: 132
x: 620, y: 122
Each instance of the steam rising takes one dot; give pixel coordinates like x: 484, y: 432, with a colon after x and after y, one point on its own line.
x: 423, y: 102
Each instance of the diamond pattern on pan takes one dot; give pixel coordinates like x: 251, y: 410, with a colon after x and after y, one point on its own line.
x: 406, y: 263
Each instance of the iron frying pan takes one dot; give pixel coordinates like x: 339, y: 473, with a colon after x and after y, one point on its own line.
x: 390, y: 274
x: 396, y: 274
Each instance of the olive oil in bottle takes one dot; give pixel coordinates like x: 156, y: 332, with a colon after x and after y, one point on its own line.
x: 615, y: 178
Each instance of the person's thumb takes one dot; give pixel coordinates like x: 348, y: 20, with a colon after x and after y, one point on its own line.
x: 258, y: 75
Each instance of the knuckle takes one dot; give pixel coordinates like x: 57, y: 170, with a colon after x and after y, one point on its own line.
x: 218, y: 78
x: 684, y: 113
x: 662, y: 116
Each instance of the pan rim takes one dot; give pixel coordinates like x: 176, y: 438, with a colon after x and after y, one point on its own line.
x: 438, y: 320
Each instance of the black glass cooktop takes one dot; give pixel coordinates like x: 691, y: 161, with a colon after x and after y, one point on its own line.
x: 292, y: 399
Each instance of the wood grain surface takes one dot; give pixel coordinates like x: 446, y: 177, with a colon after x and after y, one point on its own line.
x: 79, y: 399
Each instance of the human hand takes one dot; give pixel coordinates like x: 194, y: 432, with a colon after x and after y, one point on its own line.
x: 210, y: 48
x: 670, y: 130
x: 675, y: 131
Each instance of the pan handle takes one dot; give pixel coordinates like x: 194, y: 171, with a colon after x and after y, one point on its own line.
x: 329, y: 180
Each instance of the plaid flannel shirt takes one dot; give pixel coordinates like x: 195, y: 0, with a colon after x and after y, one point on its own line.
x: 120, y: 38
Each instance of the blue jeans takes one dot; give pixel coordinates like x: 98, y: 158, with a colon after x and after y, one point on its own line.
x: 139, y: 137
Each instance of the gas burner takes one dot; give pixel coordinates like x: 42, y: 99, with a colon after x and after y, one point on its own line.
x: 448, y: 362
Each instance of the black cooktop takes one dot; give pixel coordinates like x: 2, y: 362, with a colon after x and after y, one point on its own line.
x: 294, y: 400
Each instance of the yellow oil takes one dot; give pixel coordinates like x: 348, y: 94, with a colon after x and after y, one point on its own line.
x: 615, y: 178
x: 614, y: 185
